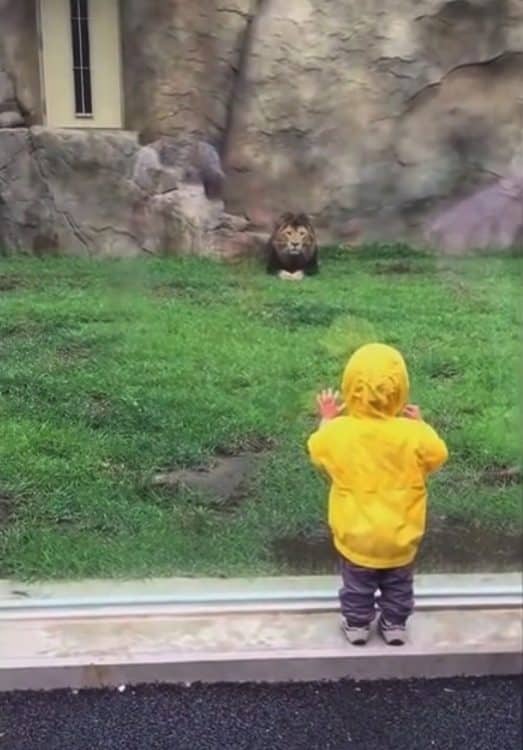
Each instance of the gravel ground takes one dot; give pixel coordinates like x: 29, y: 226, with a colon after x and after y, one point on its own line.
x: 420, y: 715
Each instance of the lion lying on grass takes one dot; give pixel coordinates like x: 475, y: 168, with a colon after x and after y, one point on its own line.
x: 292, y: 248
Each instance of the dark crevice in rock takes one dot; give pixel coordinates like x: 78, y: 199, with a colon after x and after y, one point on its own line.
x: 234, y: 11
x: 66, y: 216
x: 11, y: 112
x: 19, y: 105
x: 4, y: 166
x: 240, y: 72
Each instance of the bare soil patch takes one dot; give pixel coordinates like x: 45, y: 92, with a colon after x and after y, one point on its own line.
x: 225, y: 482
x: 7, y: 503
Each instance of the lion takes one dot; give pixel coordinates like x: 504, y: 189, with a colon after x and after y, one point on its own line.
x: 292, y: 248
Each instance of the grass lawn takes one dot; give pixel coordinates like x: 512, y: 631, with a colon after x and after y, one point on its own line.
x: 111, y: 372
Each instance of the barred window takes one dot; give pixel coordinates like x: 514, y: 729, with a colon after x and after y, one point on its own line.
x: 81, y: 58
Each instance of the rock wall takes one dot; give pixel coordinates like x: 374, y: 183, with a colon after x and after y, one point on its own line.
x: 102, y: 194
x: 350, y: 110
x: 375, y: 110
x: 181, y: 62
x: 372, y: 114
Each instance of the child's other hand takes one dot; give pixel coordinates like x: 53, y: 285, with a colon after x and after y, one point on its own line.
x: 329, y: 404
x: 412, y: 411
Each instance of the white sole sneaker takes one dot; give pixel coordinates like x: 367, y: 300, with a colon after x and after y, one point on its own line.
x: 357, y: 636
x: 393, y: 635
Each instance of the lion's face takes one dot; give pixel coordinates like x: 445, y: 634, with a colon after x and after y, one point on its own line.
x: 294, y: 235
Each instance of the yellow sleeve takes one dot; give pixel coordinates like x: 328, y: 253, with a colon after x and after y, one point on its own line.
x: 433, y: 450
x: 314, y: 446
x: 317, y: 446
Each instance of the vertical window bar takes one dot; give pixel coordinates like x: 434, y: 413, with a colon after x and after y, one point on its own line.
x: 81, y: 58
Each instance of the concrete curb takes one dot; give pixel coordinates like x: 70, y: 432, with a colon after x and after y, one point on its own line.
x: 289, y: 667
x: 265, y: 646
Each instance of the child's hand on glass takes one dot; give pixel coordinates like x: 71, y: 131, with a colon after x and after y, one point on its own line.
x: 412, y: 411
x: 329, y: 404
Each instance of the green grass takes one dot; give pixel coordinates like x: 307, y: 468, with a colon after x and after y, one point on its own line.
x: 111, y: 371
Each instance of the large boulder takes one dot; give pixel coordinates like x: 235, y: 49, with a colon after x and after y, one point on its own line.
x: 374, y: 111
x: 490, y: 218
x: 102, y: 194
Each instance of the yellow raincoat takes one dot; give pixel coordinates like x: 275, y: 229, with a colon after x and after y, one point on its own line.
x: 377, y: 462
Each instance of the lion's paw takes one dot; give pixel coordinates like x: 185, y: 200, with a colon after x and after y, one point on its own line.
x: 288, y: 276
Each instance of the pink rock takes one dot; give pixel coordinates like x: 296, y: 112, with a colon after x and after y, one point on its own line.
x: 491, y: 218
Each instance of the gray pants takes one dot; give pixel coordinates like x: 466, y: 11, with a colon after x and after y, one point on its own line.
x: 358, y: 593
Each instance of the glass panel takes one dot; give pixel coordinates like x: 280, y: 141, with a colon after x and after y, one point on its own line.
x: 88, y: 102
x: 77, y: 58
x: 84, y: 44
x: 81, y: 57
x: 187, y: 388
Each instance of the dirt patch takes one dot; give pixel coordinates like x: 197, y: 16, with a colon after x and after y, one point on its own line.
x: 74, y: 351
x: 193, y: 288
x: 225, y: 482
x: 7, y: 503
x: 99, y: 410
x: 165, y: 290
x: 400, y: 267
x: 248, y: 444
x: 294, y: 314
x: 20, y: 328
x: 443, y: 370
x: 502, y: 475
x: 448, y: 547
x: 9, y: 283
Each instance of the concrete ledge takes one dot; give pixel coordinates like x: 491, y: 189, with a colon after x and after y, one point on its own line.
x: 263, y: 646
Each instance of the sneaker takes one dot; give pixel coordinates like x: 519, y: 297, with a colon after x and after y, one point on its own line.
x: 358, y: 635
x: 393, y: 635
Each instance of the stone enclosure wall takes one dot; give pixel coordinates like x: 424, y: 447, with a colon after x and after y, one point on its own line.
x: 366, y: 114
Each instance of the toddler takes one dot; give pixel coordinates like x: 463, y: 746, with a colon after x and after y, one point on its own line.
x: 377, y: 452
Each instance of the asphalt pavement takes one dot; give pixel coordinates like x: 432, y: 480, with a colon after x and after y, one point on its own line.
x: 483, y: 714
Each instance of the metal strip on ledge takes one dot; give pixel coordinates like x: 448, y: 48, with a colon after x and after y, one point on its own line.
x: 491, y: 597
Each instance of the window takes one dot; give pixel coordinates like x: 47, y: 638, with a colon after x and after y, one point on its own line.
x: 81, y: 58
x: 80, y: 63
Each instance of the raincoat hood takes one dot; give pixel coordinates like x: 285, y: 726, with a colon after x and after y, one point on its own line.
x: 375, y: 382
